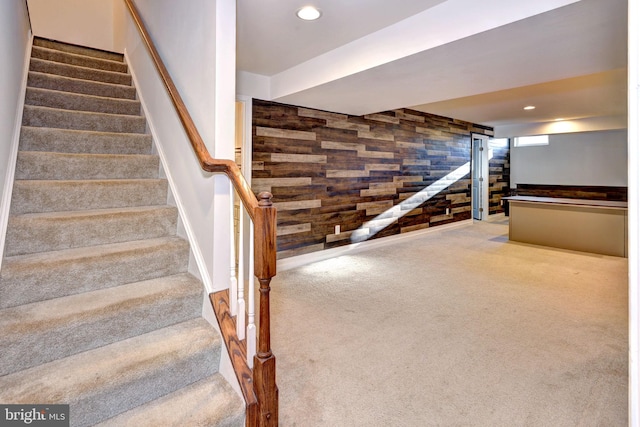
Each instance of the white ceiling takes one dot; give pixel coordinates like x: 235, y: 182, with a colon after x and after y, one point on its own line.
x: 476, y: 61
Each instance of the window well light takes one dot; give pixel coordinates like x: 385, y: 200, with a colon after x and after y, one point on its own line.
x: 308, y: 13
x: 530, y: 107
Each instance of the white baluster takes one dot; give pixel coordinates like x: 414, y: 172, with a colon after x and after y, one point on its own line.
x: 251, y: 327
x: 233, y: 280
x: 240, y: 318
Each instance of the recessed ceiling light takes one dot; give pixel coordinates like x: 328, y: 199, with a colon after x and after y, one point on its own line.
x: 530, y: 107
x: 308, y: 13
x: 558, y: 120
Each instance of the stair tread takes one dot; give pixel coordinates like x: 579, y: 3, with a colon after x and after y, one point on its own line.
x: 73, y: 101
x: 41, y: 315
x: 59, y: 118
x: 92, y: 319
x: 51, y: 231
x: 153, y: 364
x: 34, y: 138
x: 26, y: 261
x: 42, y: 165
x: 88, y: 213
x: 208, y: 402
x: 39, y: 276
x: 82, y: 112
x: 122, y: 157
x: 68, y: 70
x: 81, y: 50
x: 78, y: 85
x: 74, y: 58
x: 69, y: 195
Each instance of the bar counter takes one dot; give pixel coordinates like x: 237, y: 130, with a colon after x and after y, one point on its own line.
x: 596, y: 226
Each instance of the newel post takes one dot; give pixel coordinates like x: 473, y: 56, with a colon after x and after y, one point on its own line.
x: 264, y: 371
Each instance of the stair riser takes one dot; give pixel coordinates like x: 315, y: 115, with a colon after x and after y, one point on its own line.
x: 127, y: 311
x: 67, y: 70
x: 56, y: 196
x: 100, y: 122
x: 108, y: 380
x: 80, y: 50
x: 78, y: 60
x: 76, y: 141
x: 67, y: 84
x: 28, y: 234
x: 25, y: 280
x: 57, y: 166
x: 100, y: 406
x: 224, y: 407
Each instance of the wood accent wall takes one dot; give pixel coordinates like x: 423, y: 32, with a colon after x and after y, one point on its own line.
x: 499, y: 177
x: 326, y: 169
x: 589, y: 192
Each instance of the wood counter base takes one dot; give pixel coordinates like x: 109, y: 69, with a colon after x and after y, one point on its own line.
x: 581, y: 225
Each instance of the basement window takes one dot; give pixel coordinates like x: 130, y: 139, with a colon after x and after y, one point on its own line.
x: 526, y: 141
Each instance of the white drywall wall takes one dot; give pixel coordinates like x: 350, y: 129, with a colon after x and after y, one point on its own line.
x: 196, y: 41
x: 82, y: 22
x: 186, y: 35
x: 14, y: 50
x: 585, y: 158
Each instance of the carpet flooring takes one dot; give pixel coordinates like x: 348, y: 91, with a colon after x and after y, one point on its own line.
x: 459, y: 327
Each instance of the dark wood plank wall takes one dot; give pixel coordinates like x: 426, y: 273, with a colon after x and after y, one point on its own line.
x: 589, y: 192
x: 326, y: 169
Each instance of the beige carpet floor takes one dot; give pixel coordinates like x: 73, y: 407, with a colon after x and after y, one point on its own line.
x: 457, y: 328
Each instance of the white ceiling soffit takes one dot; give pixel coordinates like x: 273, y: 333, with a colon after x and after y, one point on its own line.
x: 593, y: 95
x: 438, y: 26
x: 271, y: 39
x: 495, y: 48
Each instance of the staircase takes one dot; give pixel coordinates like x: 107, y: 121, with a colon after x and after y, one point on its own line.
x: 97, y: 309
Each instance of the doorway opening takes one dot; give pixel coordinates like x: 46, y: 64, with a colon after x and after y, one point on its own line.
x: 479, y: 177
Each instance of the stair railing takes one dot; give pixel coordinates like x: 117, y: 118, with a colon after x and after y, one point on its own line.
x: 264, y: 412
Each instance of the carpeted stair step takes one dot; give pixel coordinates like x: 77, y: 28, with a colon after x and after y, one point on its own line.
x: 208, y: 402
x: 74, y: 71
x: 69, y: 166
x: 79, y: 60
x: 81, y: 102
x: 41, y: 276
x: 80, y: 141
x: 77, y: 323
x: 100, y: 383
x: 54, y: 231
x: 80, y: 50
x: 80, y: 120
x: 87, y: 87
x: 32, y: 196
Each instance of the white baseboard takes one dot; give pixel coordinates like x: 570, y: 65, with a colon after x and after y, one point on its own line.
x: 300, y: 260
x: 195, y: 249
x: 5, y: 203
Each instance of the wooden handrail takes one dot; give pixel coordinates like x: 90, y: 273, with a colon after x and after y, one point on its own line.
x: 263, y: 214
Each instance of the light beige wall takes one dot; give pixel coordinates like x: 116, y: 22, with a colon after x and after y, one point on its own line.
x: 83, y: 22
x: 583, y: 158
